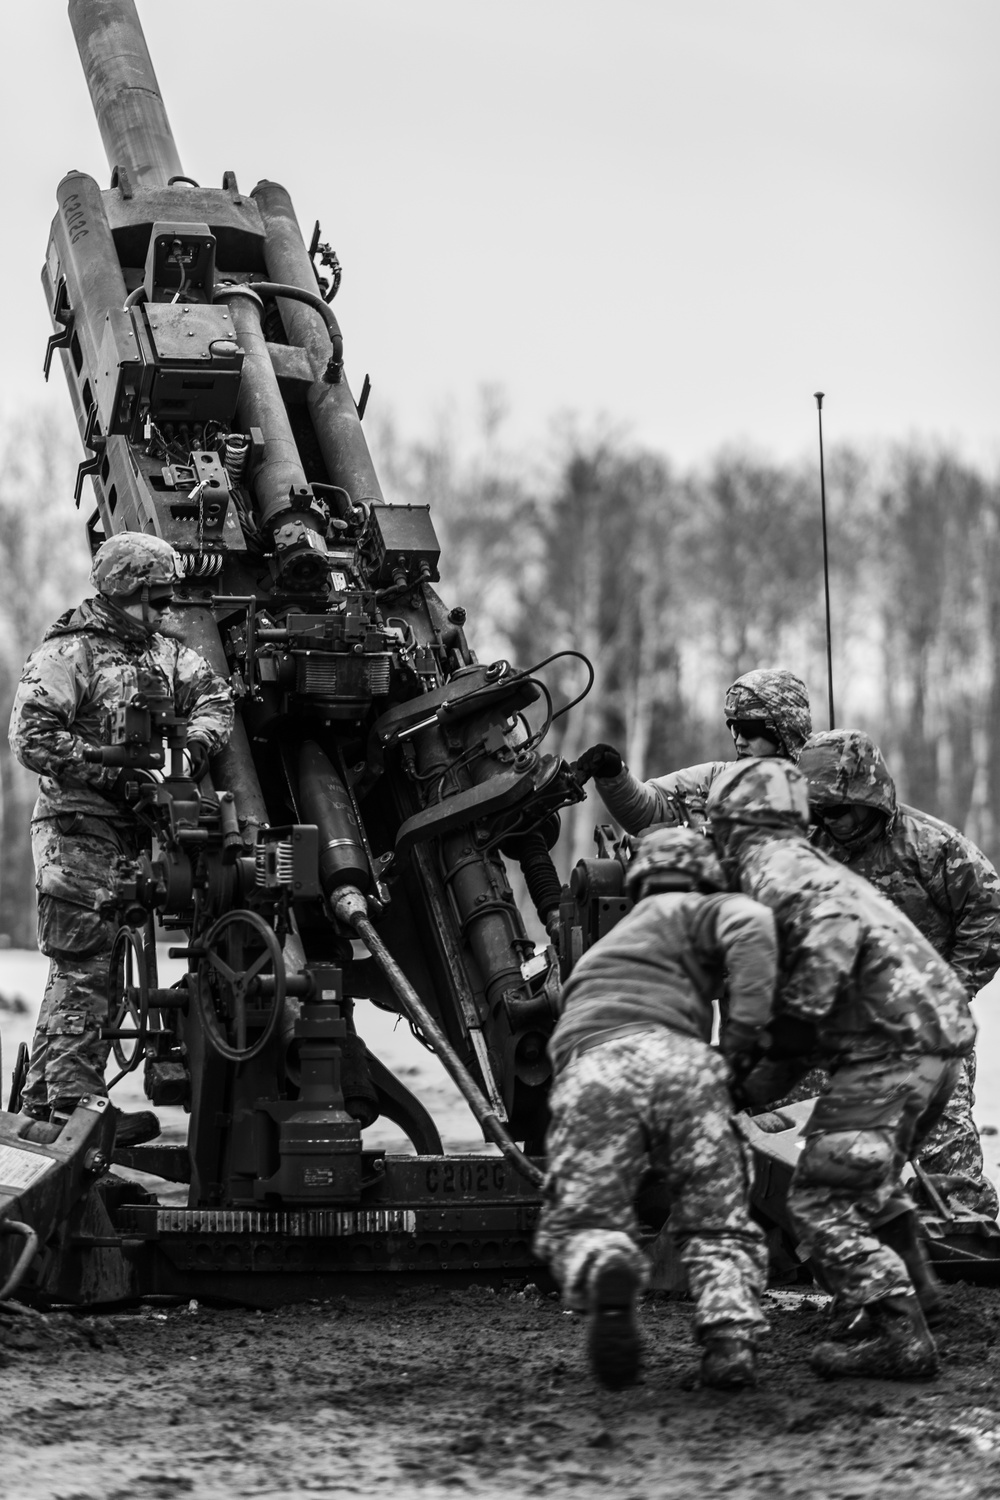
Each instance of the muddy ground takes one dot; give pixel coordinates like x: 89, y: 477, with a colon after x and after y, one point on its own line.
x: 431, y: 1392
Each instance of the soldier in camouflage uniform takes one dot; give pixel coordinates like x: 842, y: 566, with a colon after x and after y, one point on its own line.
x: 767, y: 713
x: 892, y: 1023
x: 945, y: 885
x: 639, y: 1085
x: 93, y: 659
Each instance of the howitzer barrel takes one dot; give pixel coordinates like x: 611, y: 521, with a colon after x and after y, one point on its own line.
x: 125, y: 94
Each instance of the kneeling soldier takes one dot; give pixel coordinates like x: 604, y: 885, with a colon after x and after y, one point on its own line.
x: 637, y: 1085
x: 892, y: 1024
x: 945, y: 885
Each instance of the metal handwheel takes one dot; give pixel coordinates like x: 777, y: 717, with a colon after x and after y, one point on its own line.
x: 241, y: 968
x: 128, y: 1000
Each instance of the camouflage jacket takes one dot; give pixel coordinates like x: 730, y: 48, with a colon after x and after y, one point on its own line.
x: 88, y: 664
x: 945, y: 885
x: 675, y: 799
x: 665, y: 962
x: 852, y: 963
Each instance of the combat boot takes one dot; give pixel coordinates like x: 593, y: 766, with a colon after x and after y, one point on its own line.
x: 135, y: 1127
x: 902, y: 1234
x: 846, y: 1323
x: 131, y: 1129
x: 612, y: 1331
x: 901, y: 1348
x: 729, y: 1360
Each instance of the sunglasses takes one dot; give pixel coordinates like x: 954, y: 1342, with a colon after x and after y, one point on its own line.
x: 753, y: 729
x: 160, y: 601
x: 835, y: 813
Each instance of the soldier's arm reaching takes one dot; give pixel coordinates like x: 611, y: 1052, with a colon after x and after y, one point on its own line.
x: 205, y: 700
x: 826, y: 952
x: 970, y: 890
x: 746, y: 934
x: 636, y: 804
x: 43, y: 733
x: 747, y: 940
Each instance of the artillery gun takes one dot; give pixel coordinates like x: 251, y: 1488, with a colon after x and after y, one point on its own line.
x: 354, y: 839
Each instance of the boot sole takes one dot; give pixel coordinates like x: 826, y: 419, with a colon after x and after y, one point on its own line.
x: 613, y: 1336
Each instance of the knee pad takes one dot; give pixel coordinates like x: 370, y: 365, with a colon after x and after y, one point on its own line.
x: 860, y: 1159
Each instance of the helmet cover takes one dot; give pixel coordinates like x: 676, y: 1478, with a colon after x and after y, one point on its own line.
x: 780, y: 699
x: 846, y: 766
x: 679, y: 855
x: 767, y: 793
x: 127, y: 562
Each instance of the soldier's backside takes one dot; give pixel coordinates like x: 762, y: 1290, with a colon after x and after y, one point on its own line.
x: 638, y: 1085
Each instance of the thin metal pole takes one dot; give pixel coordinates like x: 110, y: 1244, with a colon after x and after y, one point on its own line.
x: 826, y: 561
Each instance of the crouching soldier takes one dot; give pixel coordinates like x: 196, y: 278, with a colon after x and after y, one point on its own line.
x: 945, y: 885
x: 891, y: 1022
x: 90, y: 662
x: 637, y: 1084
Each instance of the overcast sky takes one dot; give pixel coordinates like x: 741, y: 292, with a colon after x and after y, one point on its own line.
x: 684, y: 216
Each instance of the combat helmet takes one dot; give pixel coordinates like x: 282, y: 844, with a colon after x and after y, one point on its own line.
x: 673, y: 859
x: 845, y: 767
x: 759, y: 794
x: 777, y: 697
x: 132, y: 560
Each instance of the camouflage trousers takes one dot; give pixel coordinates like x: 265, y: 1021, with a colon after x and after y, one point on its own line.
x: 952, y: 1148
x: 652, y: 1099
x: 859, y: 1136
x: 74, y: 859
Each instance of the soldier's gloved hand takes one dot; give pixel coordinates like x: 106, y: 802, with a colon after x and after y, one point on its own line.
x: 768, y: 1082
x: 197, y: 752
x: 599, y: 760
x: 742, y: 1046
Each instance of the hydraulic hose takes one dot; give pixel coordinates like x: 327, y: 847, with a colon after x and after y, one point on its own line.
x: 14, y: 1226
x: 335, y: 368
x: 349, y: 906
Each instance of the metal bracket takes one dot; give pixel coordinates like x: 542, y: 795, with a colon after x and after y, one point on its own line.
x: 121, y: 180
x: 91, y: 439
x: 64, y: 314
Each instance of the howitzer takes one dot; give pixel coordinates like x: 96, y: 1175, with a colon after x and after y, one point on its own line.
x: 377, y: 785
x: 378, y: 781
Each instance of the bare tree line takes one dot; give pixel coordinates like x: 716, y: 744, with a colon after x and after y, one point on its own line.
x: 676, y: 583
x: 672, y: 584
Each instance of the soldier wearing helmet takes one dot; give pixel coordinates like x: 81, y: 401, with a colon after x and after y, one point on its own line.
x: 891, y: 1023
x: 945, y: 885
x: 767, y: 713
x: 93, y: 659
x: 637, y: 1082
